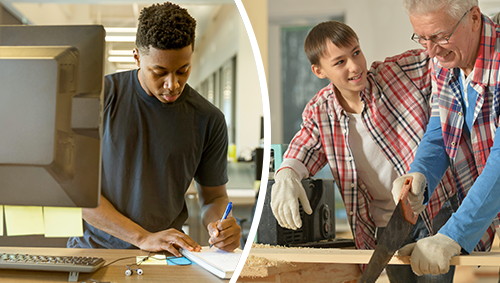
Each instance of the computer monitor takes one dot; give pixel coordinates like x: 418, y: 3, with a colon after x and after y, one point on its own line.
x: 51, y: 81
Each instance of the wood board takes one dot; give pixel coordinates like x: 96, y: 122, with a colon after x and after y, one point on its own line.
x: 350, y: 271
x: 351, y: 256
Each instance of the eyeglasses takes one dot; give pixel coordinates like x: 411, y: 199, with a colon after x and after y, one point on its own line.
x: 437, y: 40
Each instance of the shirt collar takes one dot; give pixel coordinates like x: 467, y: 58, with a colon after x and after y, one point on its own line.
x: 467, y: 80
x: 489, y: 45
x: 337, y: 108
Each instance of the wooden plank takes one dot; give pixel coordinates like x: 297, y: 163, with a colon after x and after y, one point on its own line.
x: 327, y: 273
x: 263, y: 270
x: 302, y: 272
x: 310, y: 255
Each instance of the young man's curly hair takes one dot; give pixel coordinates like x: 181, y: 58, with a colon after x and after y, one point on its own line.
x: 165, y: 26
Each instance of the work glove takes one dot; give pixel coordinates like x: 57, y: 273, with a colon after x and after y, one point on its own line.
x: 431, y: 255
x: 416, y: 193
x: 286, y: 191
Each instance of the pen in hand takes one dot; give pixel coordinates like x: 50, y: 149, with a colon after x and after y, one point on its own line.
x: 226, y: 213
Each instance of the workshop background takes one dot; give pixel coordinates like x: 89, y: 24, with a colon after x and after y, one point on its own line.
x: 384, y: 30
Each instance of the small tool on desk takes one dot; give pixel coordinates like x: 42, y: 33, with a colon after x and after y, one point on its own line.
x: 226, y: 213
x: 398, y: 228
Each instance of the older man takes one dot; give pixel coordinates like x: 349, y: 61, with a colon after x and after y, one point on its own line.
x: 465, y: 47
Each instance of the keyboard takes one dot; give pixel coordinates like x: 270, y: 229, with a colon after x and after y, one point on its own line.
x: 72, y: 264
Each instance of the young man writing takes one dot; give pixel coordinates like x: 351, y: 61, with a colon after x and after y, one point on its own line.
x: 159, y: 134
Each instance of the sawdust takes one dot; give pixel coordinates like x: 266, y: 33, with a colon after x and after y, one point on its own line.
x: 303, y: 249
x: 267, y: 246
x: 257, y: 266
x: 253, y: 261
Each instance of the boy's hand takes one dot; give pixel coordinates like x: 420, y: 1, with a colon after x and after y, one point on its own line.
x: 416, y: 194
x: 286, y: 191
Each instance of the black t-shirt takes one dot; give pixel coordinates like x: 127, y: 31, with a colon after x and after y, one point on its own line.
x: 150, y: 153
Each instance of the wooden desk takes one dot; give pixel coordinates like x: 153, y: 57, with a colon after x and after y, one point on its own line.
x: 113, y: 273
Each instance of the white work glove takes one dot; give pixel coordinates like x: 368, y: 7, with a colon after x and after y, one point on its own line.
x: 286, y: 190
x: 416, y: 193
x: 431, y: 255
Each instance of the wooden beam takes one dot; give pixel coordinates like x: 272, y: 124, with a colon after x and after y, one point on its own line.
x: 309, y: 255
x: 300, y: 272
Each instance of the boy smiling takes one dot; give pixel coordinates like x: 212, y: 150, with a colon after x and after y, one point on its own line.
x: 366, y: 125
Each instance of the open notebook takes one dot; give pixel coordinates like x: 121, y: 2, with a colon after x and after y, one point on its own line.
x: 216, y: 261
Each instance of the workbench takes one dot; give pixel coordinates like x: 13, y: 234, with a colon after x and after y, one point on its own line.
x: 275, y: 264
x: 113, y: 273
x: 279, y: 264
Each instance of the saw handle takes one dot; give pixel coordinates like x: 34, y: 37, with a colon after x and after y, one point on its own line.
x: 408, y: 213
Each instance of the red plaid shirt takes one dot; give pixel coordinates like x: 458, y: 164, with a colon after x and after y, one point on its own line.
x: 396, y: 111
x: 468, y: 155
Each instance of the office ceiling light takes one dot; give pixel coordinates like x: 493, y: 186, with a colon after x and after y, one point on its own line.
x: 120, y: 30
x: 120, y: 34
x: 118, y: 38
x: 124, y: 59
x: 120, y: 53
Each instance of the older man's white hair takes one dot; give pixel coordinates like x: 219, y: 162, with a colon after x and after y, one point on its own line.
x: 455, y: 8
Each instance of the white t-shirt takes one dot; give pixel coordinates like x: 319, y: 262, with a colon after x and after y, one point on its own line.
x: 376, y: 172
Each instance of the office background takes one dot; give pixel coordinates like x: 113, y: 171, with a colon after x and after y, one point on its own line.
x: 224, y: 71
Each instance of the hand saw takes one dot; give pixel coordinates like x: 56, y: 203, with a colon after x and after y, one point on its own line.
x: 396, y: 231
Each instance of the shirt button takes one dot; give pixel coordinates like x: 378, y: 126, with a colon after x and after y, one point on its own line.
x: 352, y: 185
x: 345, y: 131
x: 460, y: 114
x: 350, y: 158
x: 363, y: 186
x: 351, y: 213
x: 453, y: 143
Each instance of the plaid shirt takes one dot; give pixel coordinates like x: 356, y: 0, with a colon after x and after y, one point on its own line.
x: 395, y: 113
x: 468, y: 155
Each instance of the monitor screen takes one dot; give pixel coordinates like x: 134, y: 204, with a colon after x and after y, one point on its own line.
x: 51, y: 81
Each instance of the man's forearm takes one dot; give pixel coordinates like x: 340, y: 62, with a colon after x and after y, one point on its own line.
x: 225, y: 235
x: 431, y: 158
x: 468, y: 223
x: 106, y: 218
x: 213, y: 211
x: 213, y: 201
